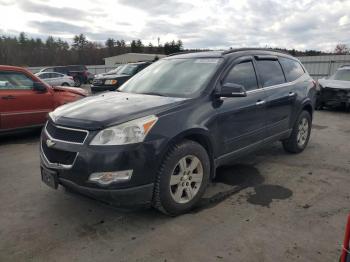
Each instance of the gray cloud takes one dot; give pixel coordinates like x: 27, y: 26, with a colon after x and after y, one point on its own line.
x: 159, y: 7
x: 56, y: 27
x: 57, y: 12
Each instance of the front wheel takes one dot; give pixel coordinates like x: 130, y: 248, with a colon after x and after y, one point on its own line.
x: 300, y: 135
x: 182, y: 178
x: 77, y: 82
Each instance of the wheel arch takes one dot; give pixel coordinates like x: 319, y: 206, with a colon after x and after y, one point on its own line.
x: 200, y: 136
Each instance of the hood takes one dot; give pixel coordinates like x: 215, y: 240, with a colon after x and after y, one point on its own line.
x: 75, y: 90
x: 111, y: 108
x: 330, y: 83
x: 113, y: 76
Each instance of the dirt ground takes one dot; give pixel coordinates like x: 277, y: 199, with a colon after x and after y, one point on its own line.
x: 270, y: 206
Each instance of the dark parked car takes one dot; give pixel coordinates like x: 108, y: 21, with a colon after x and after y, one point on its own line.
x: 79, y: 73
x: 111, y: 82
x: 159, y: 140
x: 335, y: 91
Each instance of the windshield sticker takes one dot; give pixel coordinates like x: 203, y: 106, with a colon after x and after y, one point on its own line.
x: 207, y: 61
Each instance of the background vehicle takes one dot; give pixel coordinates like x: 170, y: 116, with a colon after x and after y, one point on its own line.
x: 25, y: 100
x: 159, y: 140
x: 110, y: 72
x: 112, y: 81
x: 56, y: 79
x: 79, y: 73
x: 335, y: 91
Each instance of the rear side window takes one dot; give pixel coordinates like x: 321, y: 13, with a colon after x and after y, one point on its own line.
x: 270, y: 72
x: 15, y: 80
x: 243, y: 74
x: 292, y: 69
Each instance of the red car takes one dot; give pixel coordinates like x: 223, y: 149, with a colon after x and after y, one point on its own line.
x: 345, y: 256
x: 25, y: 100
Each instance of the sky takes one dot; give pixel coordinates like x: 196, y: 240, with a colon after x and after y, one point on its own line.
x: 215, y: 24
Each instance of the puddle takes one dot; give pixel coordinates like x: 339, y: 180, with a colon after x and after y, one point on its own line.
x: 229, y: 181
x: 265, y: 194
x: 319, y: 127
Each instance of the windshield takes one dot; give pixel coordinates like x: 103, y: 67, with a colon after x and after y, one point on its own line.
x: 127, y: 70
x: 114, y: 71
x: 173, y: 77
x: 342, y: 75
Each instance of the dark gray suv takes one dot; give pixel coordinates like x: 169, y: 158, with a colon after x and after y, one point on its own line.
x: 159, y: 140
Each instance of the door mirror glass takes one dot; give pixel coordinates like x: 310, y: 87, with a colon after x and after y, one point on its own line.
x: 40, y: 87
x: 231, y: 90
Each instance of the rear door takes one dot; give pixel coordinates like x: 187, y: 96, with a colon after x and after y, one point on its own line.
x: 241, y: 120
x: 20, y: 105
x: 280, y: 95
x: 56, y: 79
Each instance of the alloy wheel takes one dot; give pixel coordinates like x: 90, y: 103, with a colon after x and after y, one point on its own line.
x: 186, y: 179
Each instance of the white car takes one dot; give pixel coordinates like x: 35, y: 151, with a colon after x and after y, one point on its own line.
x: 56, y: 79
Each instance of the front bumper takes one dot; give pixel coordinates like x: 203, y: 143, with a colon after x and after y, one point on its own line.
x: 333, y: 97
x: 82, y: 160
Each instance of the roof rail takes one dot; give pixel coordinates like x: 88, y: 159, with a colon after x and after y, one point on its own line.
x: 186, y: 52
x: 252, y: 48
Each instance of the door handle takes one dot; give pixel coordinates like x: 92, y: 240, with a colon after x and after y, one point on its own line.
x: 261, y: 102
x: 8, y: 97
x: 291, y: 94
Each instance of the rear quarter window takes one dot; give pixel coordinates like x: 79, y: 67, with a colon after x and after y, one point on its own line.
x: 270, y: 72
x: 292, y: 69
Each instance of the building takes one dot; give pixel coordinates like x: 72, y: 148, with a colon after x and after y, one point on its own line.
x: 130, y: 58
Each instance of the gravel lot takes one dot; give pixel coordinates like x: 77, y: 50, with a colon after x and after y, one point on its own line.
x: 270, y: 206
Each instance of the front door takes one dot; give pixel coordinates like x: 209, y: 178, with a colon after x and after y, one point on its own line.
x: 241, y: 120
x: 20, y: 105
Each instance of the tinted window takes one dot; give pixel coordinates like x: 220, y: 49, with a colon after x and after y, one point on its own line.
x: 270, y: 72
x: 243, y: 74
x: 292, y: 68
x: 44, y: 76
x: 14, y: 80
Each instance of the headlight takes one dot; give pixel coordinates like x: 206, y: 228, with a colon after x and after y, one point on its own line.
x: 130, y: 132
x: 111, y: 82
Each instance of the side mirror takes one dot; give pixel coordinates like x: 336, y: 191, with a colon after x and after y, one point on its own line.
x: 231, y: 90
x: 40, y: 87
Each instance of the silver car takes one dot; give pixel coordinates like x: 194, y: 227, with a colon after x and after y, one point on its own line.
x: 335, y: 90
x: 56, y: 79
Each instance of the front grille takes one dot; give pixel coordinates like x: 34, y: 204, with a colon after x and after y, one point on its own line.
x: 66, y: 134
x: 56, y: 156
x: 97, y: 82
x: 334, y: 94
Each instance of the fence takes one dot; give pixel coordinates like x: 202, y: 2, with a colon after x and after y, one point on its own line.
x: 322, y: 66
x: 317, y: 66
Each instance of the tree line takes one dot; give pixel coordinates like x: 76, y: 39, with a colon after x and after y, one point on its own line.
x: 25, y: 51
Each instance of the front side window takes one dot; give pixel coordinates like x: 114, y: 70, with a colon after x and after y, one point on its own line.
x: 176, y: 77
x: 15, y: 80
x: 243, y: 74
x: 128, y: 70
x: 341, y: 75
x: 292, y: 68
x: 270, y: 72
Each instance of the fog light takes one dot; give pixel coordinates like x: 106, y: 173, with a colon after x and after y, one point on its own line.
x: 105, y: 178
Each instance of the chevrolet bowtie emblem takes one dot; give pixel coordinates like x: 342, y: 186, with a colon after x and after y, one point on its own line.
x: 50, y: 143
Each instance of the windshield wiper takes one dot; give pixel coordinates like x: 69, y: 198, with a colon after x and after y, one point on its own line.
x: 152, y: 94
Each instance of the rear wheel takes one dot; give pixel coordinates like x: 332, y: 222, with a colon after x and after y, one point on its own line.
x: 300, y: 136
x: 182, y: 178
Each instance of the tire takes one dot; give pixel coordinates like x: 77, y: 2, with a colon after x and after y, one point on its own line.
x: 299, y: 139
x: 186, y: 190
x: 77, y: 82
x: 65, y: 84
